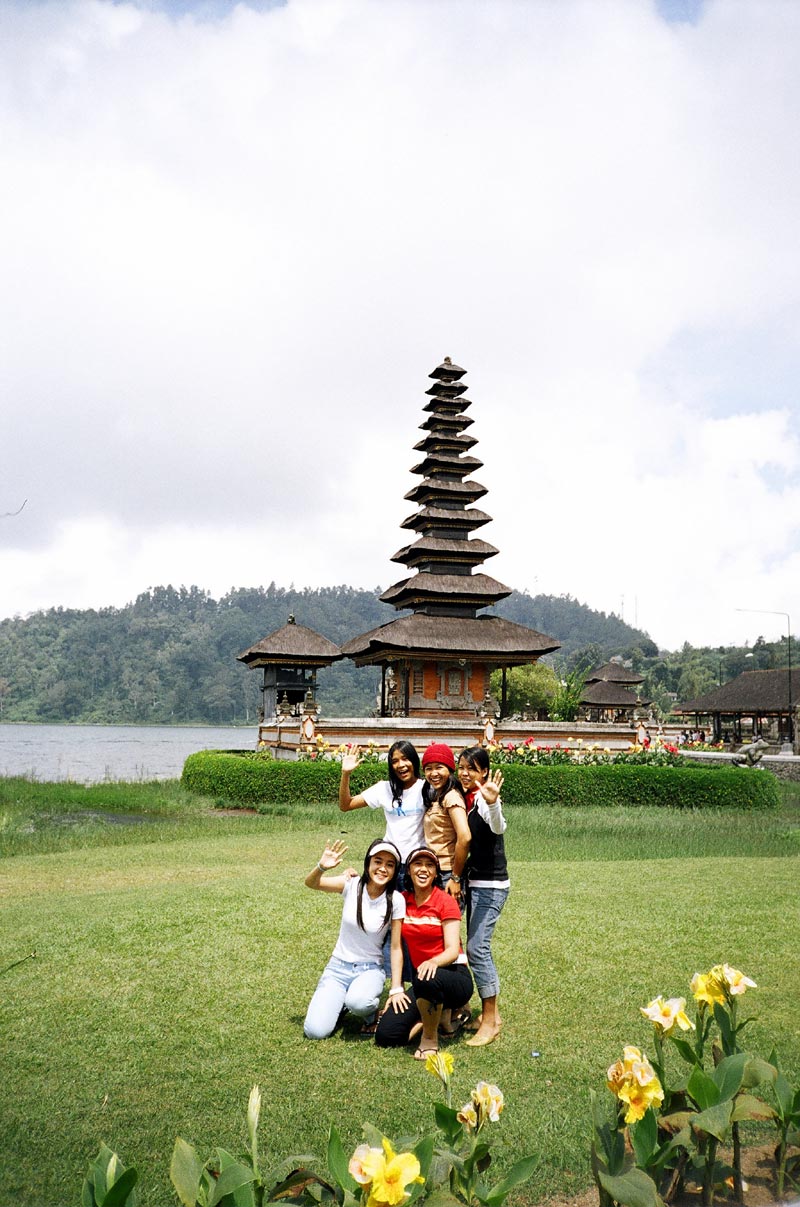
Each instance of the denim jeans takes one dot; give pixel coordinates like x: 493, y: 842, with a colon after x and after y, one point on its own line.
x: 485, y: 907
x: 354, y: 987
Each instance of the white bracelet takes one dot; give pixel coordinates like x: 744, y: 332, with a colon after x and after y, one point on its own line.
x: 395, y: 991
x: 321, y: 868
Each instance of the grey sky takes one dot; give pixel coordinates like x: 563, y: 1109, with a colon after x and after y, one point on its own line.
x: 238, y: 237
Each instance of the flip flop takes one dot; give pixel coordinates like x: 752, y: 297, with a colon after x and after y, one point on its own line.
x: 424, y: 1053
x: 457, y: 1021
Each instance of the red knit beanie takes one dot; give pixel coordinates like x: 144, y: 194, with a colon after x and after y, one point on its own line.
x: 438, y: 752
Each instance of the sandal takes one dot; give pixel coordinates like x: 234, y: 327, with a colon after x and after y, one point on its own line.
x: 457, y: 1021
x: 367, y: 1031
x: 424, y: 1053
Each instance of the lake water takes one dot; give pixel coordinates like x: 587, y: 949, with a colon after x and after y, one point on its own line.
x: 91, y: 753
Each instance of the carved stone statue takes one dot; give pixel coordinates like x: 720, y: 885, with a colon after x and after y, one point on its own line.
x: 750, y: 754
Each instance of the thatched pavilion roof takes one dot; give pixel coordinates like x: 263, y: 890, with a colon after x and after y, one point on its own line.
x: 613, y: 672
x: 293, y: 644
x: 602, y: 694
x: 752, y: 692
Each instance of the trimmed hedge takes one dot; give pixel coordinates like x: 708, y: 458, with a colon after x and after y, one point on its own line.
x: 251, y: 778
x: 687, y: 787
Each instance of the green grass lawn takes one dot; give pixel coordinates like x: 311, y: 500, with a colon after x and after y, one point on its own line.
x: 176, y: 951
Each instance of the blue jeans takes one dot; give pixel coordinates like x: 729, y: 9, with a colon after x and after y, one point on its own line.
x: 354, y: 987
x: 485, y: 907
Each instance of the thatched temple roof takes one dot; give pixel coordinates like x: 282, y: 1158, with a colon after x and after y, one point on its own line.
x: 293, y: 644
x: 753, y: 692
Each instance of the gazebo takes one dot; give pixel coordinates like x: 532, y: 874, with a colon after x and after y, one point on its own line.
x: 436, y: 661
x: 608, y: 694
x: 763, y: 699
x: 291, y: 657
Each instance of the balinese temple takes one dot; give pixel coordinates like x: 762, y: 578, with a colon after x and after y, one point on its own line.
x: 609, y: 693
x: 436, y: 661
x: 291, y: 657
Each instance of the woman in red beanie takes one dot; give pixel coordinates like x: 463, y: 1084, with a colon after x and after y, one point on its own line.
x: 445, y: 822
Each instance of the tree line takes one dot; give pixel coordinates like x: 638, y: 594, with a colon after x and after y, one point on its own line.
x: 170, y: 656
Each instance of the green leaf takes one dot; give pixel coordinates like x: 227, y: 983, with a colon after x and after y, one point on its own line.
x: 441, y: 1197
x: 728, y: 1075
x: 686, y: 1050
x: 518, y: 1173
x: 447, y: 1120
x: 337, y: 1161
x: 633, y: 1189
x: 703, y: 1090
x: 122, y: 1193
x: 715, y: 1121
x: 230, y: 1179
x: 757, y: 1071
x: 423, y: 1151
x: 185, y: 1171
x: 644, y: 1137
x: 747, y: 1106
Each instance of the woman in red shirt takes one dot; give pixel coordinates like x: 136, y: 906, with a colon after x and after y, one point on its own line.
x: 440, y: 978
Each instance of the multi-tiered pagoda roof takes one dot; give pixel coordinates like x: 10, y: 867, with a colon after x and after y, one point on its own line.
x: 443, y: 590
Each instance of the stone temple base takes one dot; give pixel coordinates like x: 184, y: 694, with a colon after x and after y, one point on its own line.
x: 286, y: 735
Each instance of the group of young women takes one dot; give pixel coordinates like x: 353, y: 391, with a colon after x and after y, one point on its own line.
x: 443, y: 851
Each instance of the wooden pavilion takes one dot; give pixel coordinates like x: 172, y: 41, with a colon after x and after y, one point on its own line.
x: 436, y: 661
x: 755, y: 703
x: 609, y: 694
x: 291, y: 657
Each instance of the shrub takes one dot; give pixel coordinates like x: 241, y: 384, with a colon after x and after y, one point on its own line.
x: 687, y: 787
x: 246, y: 777
x: 253, y: 778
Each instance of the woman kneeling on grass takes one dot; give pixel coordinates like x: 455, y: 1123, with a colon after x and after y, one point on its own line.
x: 354, y: 976
x: 441, y: 978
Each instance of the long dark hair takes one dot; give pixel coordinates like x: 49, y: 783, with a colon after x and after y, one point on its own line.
x: 432, y: 796
x: 410, y: 751
x: 476, y: 758
x: 363, y: 880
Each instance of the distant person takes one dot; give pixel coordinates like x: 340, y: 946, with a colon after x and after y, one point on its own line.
x: 354, y: 976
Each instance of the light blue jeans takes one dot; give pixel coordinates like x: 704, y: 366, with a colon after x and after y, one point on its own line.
x: 354, y: 987
x: 485, y: 907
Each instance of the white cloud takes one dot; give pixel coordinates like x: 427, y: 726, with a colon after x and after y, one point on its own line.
x: 234, y: 249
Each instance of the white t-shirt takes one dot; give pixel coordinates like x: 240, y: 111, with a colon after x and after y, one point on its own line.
x: 354, y: 944
x: 403, y: 819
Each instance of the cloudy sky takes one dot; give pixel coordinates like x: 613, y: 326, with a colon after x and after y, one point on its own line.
x: 235, y: 239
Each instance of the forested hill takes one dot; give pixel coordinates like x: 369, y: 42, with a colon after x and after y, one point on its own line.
x: 171, y: 656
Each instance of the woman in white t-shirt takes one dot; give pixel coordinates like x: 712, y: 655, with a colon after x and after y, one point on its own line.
x: 354, y: 975
x: 400, y: 796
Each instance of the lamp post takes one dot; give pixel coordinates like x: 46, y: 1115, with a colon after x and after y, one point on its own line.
x: 770, y: 612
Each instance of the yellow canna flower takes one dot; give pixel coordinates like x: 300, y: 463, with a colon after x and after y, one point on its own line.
x: 489, y: 1101
x: 468, y: 1116
x: 638, y: 1097
x: 706, y: 988
x: 440, y: 1064
x: 736, y: 981
x: 666, y: 1015
x: 356, y: 1163
x: 634, y: 1083
x: 390, y: 1173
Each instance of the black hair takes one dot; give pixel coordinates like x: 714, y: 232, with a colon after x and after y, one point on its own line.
x: 432, y: 796
x: 410, y: 752
x: 476, y: 758
x: 363, y: 880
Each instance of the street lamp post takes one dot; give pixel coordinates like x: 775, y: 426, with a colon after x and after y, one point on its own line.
x: 770, y: 612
